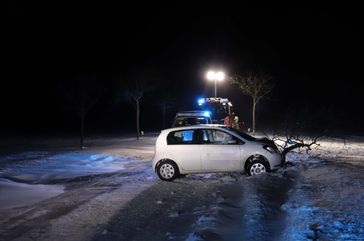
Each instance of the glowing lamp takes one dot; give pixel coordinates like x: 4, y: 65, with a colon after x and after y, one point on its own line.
x: 215, y: 76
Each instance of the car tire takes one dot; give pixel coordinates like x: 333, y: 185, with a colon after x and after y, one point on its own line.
x: 257, y: 167
x: 167, y: 170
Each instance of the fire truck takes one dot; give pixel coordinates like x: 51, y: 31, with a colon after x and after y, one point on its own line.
x: 218, y: 108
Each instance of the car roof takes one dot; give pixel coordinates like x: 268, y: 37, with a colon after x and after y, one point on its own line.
x: 191, y: 114
x: 201, y: 126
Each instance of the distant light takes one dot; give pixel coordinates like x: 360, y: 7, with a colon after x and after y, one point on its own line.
x: 201, y: 101
x: 220, y: 76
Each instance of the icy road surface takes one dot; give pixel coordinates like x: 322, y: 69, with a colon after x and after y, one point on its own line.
x: 311, y: 201
x: 109, y: 192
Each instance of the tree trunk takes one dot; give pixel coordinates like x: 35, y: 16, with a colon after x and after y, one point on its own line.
x: 254, y: 104
x: 82, y: 133
x: 137, y: 110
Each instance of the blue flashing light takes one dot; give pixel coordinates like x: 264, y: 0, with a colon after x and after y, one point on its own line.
x: 207, y: 113
x: 201, y: 101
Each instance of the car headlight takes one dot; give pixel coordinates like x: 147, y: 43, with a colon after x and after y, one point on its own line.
x: 270, y: 149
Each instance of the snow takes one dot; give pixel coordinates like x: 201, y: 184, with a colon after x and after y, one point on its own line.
x: 30, y: 168
x: 318, y: 197
x: 43, y: 167
x: 326, y: 203
x: 349, y: 150
x: 15, y: 194
x: 25, y: 176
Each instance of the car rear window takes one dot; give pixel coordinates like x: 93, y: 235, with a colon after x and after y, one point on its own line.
x: 185, y: 121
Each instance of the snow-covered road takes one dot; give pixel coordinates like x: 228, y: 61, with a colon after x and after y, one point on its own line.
x: 109, y: 192
x: 308, y: 201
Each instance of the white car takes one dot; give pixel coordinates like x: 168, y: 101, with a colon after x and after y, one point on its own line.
x: 212, y: 148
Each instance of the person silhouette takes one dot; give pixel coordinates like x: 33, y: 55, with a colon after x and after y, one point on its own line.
x: 236, y: 123
x: 228, y: 121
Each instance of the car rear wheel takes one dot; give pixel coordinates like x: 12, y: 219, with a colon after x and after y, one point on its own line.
x: 167, y: 171
x: 256, y: 167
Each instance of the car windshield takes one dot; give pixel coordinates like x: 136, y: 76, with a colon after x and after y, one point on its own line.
x: 242, y: 134
x: 190, y: 121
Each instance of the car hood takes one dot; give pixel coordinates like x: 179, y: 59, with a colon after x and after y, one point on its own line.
x: 264, y: 140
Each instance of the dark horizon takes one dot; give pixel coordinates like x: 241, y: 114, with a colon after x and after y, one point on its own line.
x: 312, y: 55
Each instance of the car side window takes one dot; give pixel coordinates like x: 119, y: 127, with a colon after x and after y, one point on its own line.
x: 184, y: 137
x: 217, y: 137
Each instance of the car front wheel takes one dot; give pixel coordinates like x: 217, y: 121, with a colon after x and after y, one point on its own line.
x: 167, y: 170
x: 256, y: 167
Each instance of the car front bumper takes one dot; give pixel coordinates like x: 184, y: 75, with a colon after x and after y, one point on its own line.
x: 277, y: 161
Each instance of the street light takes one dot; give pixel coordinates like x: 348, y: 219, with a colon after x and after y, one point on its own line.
x: 215, y: 76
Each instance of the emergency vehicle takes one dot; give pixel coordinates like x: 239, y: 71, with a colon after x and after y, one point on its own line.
x: 218, y: 108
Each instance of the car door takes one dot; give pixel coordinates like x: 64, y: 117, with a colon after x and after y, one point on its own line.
x: 221, y: 151
x: 184, y: 149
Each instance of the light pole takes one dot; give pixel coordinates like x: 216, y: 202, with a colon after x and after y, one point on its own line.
x: 215, y: 76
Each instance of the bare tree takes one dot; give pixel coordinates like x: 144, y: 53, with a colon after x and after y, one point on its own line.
x: 255, y: 85
x: 137, y: 85
x: 80, y: 95
x: 299, y: 134
x: 289, y: 142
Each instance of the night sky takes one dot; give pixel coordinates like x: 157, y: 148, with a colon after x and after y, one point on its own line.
x: 313, y: 55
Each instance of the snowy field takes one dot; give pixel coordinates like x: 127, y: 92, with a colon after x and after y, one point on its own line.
x: 15, y: 194
x: 109, y: 192
x: 19, y: 171
x: 22, y: 171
